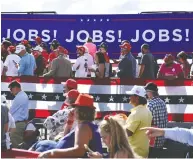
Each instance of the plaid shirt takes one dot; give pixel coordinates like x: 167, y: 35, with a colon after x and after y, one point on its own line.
x: 160, y: 117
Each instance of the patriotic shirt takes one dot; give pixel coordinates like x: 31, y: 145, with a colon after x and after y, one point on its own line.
x: 81, y: 67
x: 160, y: 117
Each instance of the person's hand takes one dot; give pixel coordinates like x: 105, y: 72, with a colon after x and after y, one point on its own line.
x: 153, y: 132
x: 94, y: 155
x: 46, y: 154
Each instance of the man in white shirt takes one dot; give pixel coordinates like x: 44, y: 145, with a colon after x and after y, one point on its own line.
x: 11, y: 124
x: 11, y: 62
x: 82, y: 63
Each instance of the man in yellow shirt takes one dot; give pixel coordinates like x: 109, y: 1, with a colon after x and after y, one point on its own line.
x: 140, y: 117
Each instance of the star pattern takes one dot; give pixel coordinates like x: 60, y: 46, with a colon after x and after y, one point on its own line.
x: 101, y: 98
x: 125, y: 99
x: 57, y: 97
x: 111, y: 99
x: 30, y: 96
x: 181, y: 100
x: 44, y: 97
x: 167, y: 100
x: 97, y: 98
x: 94, y: 20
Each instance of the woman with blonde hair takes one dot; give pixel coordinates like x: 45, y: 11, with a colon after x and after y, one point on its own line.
x: 114, y: 136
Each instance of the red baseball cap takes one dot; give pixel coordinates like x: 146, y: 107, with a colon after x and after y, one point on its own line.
x: 11, y: 48
x: 71, y: 83
x: 84, y: 100
x: 38, y: 39
x: 81, y: 48
x: 71, y: 96
x: 25, y: 42
x: 125, y: 46
x: 61, y: 49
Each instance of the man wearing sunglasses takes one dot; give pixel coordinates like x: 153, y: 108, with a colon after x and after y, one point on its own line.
x: 19, y: 111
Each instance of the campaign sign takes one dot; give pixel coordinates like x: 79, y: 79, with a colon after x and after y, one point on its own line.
x: 165, y: 33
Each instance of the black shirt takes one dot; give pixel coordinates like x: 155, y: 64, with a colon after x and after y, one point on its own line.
x: 149, y: 62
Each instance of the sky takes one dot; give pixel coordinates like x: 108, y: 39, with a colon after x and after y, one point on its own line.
x: 96, y: 6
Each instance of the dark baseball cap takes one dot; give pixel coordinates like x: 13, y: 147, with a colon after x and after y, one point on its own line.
x: 151, y: 87
x: 145, y: 46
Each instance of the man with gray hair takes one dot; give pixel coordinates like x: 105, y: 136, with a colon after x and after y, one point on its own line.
x: 27, y: 64
x: 160, y: 117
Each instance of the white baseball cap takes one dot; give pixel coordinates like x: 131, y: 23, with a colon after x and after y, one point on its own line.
x: 137, y: 90
x: 3, y: 100
x: 19, y: 48
x: 38, y: 48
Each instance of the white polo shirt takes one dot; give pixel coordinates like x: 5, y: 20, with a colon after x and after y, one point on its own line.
x: 10, y: 64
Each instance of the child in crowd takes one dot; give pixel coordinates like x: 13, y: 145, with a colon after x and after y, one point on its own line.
x: 114, y: 136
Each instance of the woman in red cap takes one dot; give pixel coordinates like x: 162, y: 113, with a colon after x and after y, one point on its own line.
x: 85, y: 133
x: 169, y: 69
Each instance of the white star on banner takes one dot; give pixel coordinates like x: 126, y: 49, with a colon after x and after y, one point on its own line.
x: 94, y: 20
x: 125, y: 99
x: 4, y: 94
x: 107, y: 20
x: 88, y: 20
x: 81, y: 20
x: 57, y: 97
x: 97, y: 98
x: 101, y: 20
x: 111, y: 99
x: 44, y: 97
x: 167, y: 100
x: 30, y: 96
x: 181, y: 100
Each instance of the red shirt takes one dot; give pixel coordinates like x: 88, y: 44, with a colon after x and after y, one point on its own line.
x: 45, y: 55
x: 52, y: 56
x: 173, y: 70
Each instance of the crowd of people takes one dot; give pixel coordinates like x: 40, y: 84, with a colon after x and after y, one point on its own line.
x: 92, y: 61
x: 74, y: 134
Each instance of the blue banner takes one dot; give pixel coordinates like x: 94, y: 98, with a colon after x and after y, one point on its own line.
x: 165, y: 33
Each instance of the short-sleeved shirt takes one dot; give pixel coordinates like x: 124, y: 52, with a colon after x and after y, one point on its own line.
x: 140, y: 117
x: 10, y: 63
x: 4, y: 120
x: 81, y: 67
x: 160, y: 117
x: 174, y: 70
x: 148, y: 61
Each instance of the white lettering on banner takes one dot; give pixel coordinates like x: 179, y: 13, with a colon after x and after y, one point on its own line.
x: 82, y: 32
x: 15, y: 34
x: 164, y: 35
x: 32, y: 34
x: 152, y: 35
x: 71, y: 37
x: 46, y: 36
x: 97, y: 36
x: 110, y: 35
x: 177, y: 35
x: 137, y: 37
